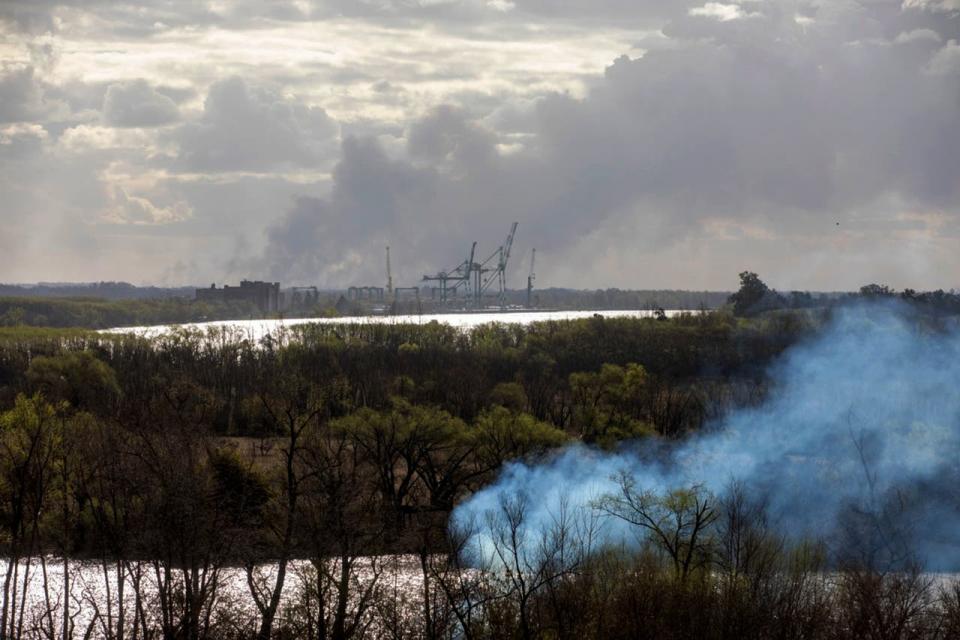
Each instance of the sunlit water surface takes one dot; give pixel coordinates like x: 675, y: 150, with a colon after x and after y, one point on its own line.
x: 91, y: 603
x: 257, y: 329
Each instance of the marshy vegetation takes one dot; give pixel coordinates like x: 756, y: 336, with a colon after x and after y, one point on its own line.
x: 231, y: 489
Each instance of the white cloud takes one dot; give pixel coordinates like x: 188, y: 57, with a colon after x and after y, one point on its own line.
x: 84, y: 139
x: 12, y: 132
x: 138, y: 210
x: 917, y: 35
x: 943, y: 6
x: 946, y: 61
x: 721, y: 12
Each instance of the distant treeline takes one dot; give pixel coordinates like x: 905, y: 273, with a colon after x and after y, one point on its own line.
x: 93, y: 313
x: 103, y: 290
x: 754, y: 298
x: 613, y: 298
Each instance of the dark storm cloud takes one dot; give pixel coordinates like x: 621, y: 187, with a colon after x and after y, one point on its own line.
x: 252, y: 128
x: 446, y: 136
x: 21, y: 96
x: 372, y: 196
x: 137, y: 104
x: 733, y: 122
x: 786, y: 114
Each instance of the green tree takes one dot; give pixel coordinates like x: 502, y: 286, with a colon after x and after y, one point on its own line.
x: 510, y: 395
x: 28, y: 442
x: 500, y: 435
x: 77, y: 377
x: 753, y: 296
x: 610, y: 405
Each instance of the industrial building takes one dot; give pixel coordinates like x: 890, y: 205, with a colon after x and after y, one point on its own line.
x: 265, y: 295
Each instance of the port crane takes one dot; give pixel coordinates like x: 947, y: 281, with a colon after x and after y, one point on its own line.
x: 494, y: 270
x: 452, y: 280
x: 472, y: 279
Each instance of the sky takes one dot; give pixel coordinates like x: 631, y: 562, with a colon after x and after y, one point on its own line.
x: 638, y: 143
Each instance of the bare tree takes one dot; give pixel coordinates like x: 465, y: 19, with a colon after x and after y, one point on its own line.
x: 527, y: 556
x: 291, y: 408
x: 340, y: 522
x: 677, y: 522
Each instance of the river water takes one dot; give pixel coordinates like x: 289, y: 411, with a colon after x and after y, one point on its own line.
x: 257, y: 329
x: 92, y: 599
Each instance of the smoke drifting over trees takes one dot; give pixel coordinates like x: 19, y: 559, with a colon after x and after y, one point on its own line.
x: 856, y: 445
x: 733, y: 478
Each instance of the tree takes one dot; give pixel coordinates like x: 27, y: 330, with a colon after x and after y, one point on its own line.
x: 510, y: 395
x: 340, y: 524
x: 525, y: 557
x: 500, y: 435
x: 877, y: 291
x: 27, y: 456
x: 610, y: 405
x: 189, y: 533
x: 291, y: 408
x: 404, y: 448
x: 87, y: 383
x: 754, y: 296
x: 677, y: 521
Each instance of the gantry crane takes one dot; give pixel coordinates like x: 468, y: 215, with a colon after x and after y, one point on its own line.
x: 452, y: 280
x: 475, y: 278
x: 486, y: 275
x: 502, y: 267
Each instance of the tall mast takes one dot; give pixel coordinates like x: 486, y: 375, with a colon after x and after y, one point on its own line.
x: 531, y: 278
x: 389, y: 275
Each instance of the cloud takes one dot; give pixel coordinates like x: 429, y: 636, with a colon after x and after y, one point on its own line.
x: 319, y: 131
x: 721, y: 12
x: 943, y: 6
x: 131, y: 209
x: 251, y: 128
x: 781, y: 127
x: 12, y: 133
x: 332, y: 239
x: 917, y: 35
x: 446, y: 136
x: 946, y: 62
x: 137, y: 104
x: 21, y: 98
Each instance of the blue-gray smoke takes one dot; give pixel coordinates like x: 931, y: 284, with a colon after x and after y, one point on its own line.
x: 863, y: 422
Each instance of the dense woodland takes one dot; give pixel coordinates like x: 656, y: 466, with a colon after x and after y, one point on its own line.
x: 309, y: 462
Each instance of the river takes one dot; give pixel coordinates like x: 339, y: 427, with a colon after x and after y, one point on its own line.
x: 257, y: 329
